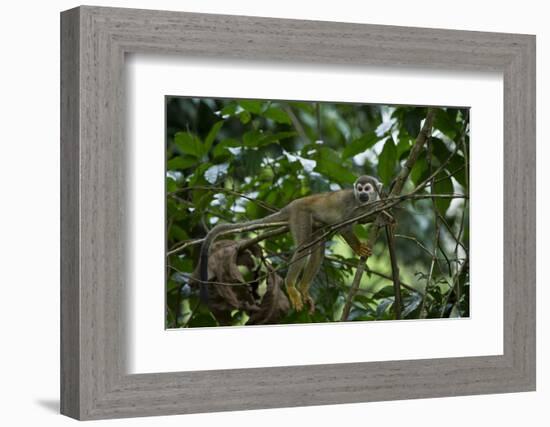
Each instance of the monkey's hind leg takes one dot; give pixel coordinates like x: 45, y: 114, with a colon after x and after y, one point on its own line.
x: 312, y: 268
x: 296, y: 264
x: 301, y: 228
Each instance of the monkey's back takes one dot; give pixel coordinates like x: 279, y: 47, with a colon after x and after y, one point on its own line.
x: 327, y: 208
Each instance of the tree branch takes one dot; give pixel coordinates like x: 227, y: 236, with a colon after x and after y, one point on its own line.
x: 296, y: 123
x: 394, y: 271
x: 399, y: 182
x: 318, y: 116
x: 225, y: 190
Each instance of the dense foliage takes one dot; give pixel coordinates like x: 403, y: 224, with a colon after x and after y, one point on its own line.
x: 235, y: 160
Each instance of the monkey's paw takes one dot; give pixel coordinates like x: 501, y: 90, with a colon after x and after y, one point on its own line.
x: 295, y: 298
x: 363, y: 250
x: 309, y: 301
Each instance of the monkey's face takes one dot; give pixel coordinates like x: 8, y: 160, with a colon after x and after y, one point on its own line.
x: 366, y: 189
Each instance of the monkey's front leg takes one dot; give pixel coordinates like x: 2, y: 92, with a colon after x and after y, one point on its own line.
x: 363, y: 250
x: 351, y: 239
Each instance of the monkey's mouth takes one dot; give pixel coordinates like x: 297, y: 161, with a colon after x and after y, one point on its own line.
x: 364, y: 198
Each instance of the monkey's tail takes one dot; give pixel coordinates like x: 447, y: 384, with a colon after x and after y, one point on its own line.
x: 213, y: 234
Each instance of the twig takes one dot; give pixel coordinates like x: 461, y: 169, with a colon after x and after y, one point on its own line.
x: 453, y: 173
x: 421, y: 313
x: 450, y: 230
x: 225, y: 190
x: 395, y: 272
x: 234, y: 231
x: 318, y: 116
x: 429, y: 179
x: 210, y: 211
x: 296, y: 122
x: 447, y: 260
x: 192, y: 278
x: 456, y: 280
x: 416, y: 241
x: 370, y: 271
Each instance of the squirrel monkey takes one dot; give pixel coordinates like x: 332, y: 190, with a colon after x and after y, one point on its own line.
x: 304, y: 216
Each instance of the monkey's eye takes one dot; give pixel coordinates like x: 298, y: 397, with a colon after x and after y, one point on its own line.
x: 359, y: 187
x: 368, y: 187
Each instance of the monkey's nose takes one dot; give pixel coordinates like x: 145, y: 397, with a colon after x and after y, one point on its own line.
x: 364, y: 197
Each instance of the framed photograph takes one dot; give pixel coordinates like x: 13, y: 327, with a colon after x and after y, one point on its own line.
x: 281, y: 213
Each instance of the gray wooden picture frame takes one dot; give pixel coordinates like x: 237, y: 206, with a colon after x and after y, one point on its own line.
x: 94, y: 382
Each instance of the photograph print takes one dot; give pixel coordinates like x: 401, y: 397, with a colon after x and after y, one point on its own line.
x: 294, y: 212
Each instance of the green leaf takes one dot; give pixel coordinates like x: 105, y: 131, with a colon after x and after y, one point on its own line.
x: 363, y: 299
x: 359, y: 145
x: 387, y: 161
x: 178, y: 233
x: 202, y: 320
x: 229, y: 109
x: 358, y: 313
x: 277, y: 114
x: 411, y: 121
x: 307, y: 107
x: 171, y: 185
x: 289, y: 188
x: 385, y: 292
x: 220, y: 150
x: 445, y: 121
x: 403, y: 148
x: 245, y: 117
x: 212, y: 135
x: 419, y: 171
x: 252, y: 161
x: 231, y: 142
x: 252, y: 106
x: 411, y: 303
x: 181, y: 162
x: 172, y: 286
x: 182, y: 264
x: 328, y: 165
x: 189, y: 144
x: 252, y: 138
x: 455, y: 312
x: 440, y: 150
x: 197, y: 178
x: 200, y: 198
x: 458, y: 168
x: 255, y: 138
x: 444, y: 186
x: 382, y: 307
x: 360, y: 231
x: 275, y: 137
